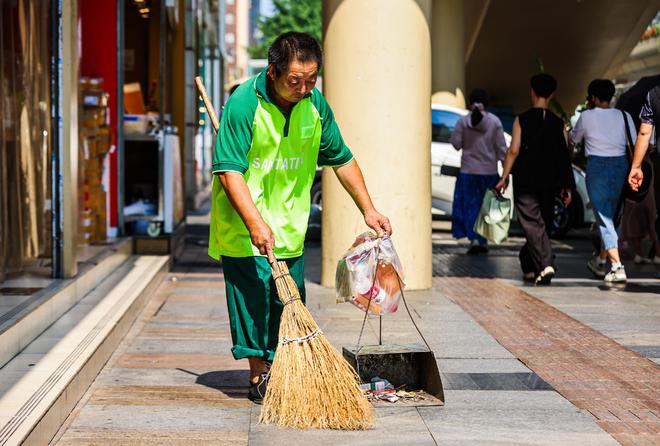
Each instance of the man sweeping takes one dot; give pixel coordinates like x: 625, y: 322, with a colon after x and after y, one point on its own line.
x: 275, y: 129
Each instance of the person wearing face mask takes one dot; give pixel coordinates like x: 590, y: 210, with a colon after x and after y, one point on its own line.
x: 479, y: 134
x: 275, y: 128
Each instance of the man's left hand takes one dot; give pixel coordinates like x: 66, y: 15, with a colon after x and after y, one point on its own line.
x: 378, y: 222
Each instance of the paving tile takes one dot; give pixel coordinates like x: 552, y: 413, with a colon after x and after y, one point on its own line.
x: 494, y: 381
x: 481, y: 365
x: 180, y: 396
x: 168, y: 418
x: 189, y: 346
x: 508, y: 426
x: 173, y: 361
x: 394, y: 427
x: 216, y: 289
x: 174, y: 377
x: 77, y: 437
x: 175, y: 333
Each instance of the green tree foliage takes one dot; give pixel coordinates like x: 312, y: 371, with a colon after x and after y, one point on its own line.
x: 290, y: 15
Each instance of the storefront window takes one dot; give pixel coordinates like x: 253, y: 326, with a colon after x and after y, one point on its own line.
x: 25, y: 148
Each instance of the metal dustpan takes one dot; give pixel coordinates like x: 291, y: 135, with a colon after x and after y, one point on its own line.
x: 412, y: 365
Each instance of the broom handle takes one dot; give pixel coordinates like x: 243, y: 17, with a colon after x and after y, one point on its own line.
x: 271, y: 255
x: 207, y: 103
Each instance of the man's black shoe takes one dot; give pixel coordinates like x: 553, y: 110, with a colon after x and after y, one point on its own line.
x: 257, y: 390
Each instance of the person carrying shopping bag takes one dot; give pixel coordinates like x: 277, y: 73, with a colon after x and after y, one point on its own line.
x: 539, y: 160
x: 479, y: 134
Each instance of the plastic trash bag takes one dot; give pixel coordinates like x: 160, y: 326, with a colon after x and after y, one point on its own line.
x: 494, y: 217
x: 370, y: 271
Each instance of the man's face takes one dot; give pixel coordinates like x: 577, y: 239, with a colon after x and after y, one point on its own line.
x: 296, y: 82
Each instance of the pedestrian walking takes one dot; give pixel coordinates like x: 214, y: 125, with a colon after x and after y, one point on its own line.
x: 539, y: 160
x: 479, y: 134
x: 603, y: 130
x: 275, y: 129
x: 650, y: 119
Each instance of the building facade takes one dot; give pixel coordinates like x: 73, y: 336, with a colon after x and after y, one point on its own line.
x: 70, y: 70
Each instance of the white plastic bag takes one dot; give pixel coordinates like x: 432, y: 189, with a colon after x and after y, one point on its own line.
x: 370, y: 275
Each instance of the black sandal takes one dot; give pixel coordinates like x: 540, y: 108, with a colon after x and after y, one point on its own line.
x: 257, y: 390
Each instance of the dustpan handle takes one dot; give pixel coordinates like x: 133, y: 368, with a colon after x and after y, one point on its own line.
x: 405, y: 303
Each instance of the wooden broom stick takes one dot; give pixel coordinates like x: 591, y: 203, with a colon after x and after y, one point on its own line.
x: 207, y: 103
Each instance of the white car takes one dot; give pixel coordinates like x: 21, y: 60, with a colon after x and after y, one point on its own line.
x: 446, y: 162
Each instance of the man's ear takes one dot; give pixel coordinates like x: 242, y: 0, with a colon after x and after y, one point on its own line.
x: 271, y: 72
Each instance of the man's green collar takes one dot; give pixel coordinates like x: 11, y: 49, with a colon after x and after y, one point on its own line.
x: 261, y: 85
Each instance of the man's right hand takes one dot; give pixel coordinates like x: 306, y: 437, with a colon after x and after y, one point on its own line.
x: 262, y: 237
x: 635, y: 178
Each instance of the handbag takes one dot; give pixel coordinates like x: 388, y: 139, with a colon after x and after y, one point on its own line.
x: 647, y: 169
x: 494, y: 217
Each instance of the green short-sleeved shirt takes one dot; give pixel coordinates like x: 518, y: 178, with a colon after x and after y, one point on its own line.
x: 277, y: 153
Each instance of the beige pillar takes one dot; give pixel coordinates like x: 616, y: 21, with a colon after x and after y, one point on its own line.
x: 448, y: 46
x: 69, y: 161
x: 377, y: 79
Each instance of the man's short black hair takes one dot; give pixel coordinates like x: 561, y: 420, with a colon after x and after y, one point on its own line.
x: 543, y: 85
x: 603, y: 89
x: 293, y: 46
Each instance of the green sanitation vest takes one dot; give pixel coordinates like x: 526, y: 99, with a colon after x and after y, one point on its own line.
x: 281, y: 164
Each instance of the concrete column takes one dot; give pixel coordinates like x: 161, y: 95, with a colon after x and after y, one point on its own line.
x: 448, y: 46
x: 377, y: 79
x: 69, y: 129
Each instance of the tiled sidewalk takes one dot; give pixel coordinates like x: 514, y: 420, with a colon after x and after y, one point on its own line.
x: 173, y: 382
x: 618, y: 386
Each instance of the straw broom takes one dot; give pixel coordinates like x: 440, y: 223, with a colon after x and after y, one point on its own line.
x: 311, y: 385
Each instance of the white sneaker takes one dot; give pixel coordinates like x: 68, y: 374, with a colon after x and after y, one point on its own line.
x: 545, y: 276
x: 616, y: 276
x: 641, y: 260
x: 656, y: 260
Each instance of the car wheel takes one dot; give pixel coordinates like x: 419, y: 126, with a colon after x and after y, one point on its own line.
x: 565, y: 218
x: 560, y: 218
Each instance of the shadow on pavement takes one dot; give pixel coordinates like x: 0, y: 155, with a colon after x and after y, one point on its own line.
x: 233, y: 383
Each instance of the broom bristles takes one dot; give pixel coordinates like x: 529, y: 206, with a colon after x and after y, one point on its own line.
x: 311, y: 385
